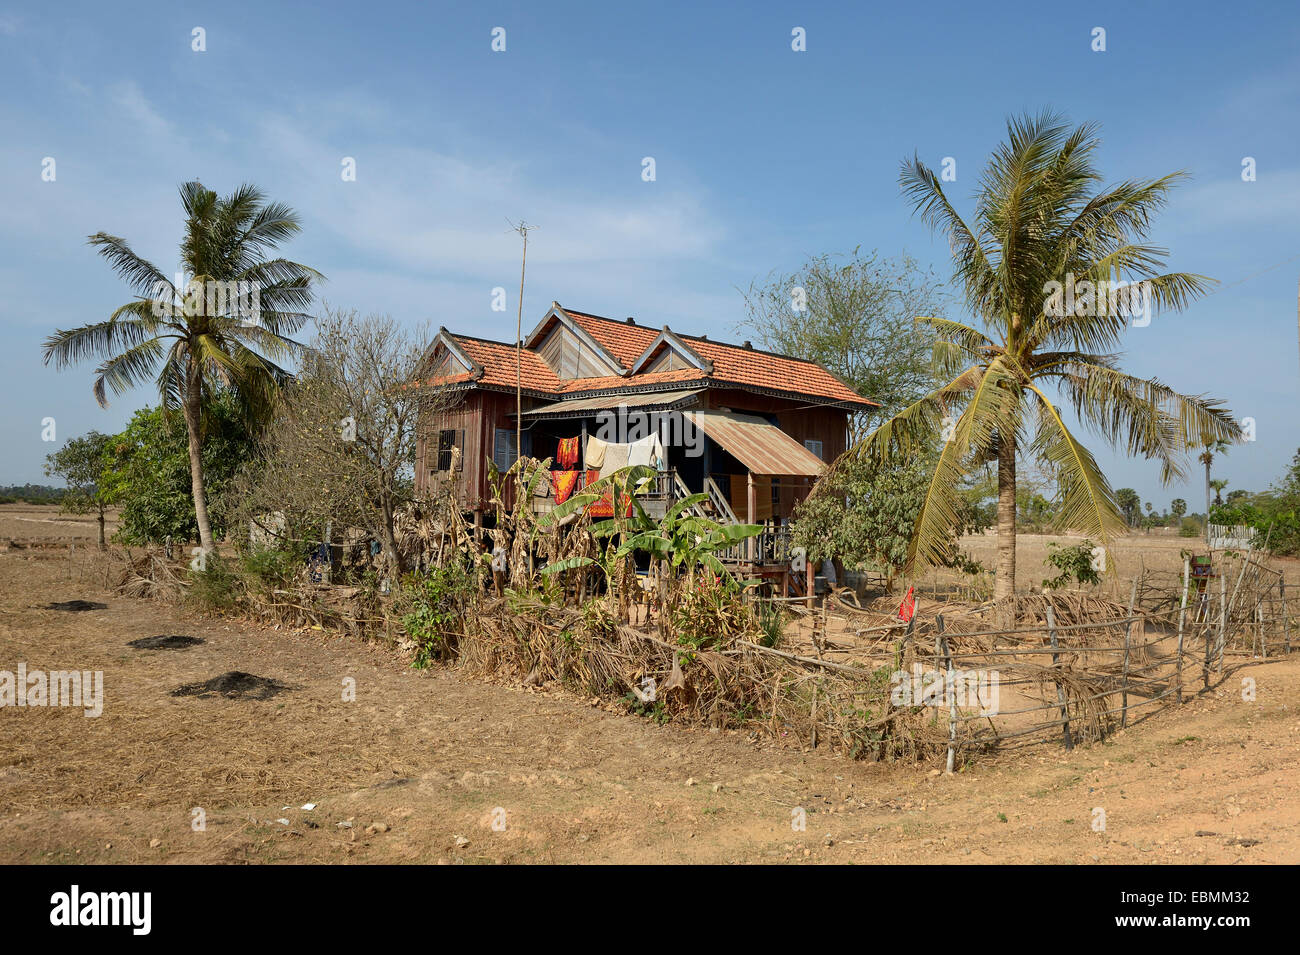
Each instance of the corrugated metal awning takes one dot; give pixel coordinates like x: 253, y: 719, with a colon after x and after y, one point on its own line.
x: 761, y: 447
x: 640, y: 401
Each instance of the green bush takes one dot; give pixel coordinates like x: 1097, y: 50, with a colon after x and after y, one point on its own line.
x: 1074, y: 564
x: 266, y: 569
x: 771, y: 620
x: 712, y: 613
x: 432, y: 607
x: 148, y: 472
x: 215, y: 589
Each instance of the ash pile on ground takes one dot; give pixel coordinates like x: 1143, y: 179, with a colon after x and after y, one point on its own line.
x: 234, y: 685
x: 171, y: 641
x: 76, y: 606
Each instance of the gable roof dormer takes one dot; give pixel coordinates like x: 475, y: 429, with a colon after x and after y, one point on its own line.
x: 447, y: 362
x: 666, y: 341
x: 569, y: 349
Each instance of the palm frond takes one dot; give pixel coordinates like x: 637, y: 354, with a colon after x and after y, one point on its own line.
x: 127, y: 370
x: 1087, y: 503
x: 73, y: 345
x: 144, y: 278
x: 992, y: 409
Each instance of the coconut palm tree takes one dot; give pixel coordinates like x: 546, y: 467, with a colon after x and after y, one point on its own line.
x: 1044, y: 228
x: 223, y: 323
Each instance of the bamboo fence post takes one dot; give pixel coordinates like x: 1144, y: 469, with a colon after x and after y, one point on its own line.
x: 1286, y: 621
x: 1221, y: 644
x: 1205, y: 667
x: 1182, y: 614
x: 1128, y: 627
x: 941, y: 644
x: 1060, y: 690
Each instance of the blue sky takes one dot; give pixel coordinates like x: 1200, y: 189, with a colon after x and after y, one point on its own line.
x: 763, y: 155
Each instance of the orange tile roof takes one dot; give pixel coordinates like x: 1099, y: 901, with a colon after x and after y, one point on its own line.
x: 625, y: 342
x: 498, y: 361
x: 645, y: 378
x: 731, y: 364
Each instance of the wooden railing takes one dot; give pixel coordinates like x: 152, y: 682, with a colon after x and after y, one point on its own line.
x: 772, y: 546
x: 721, y: 506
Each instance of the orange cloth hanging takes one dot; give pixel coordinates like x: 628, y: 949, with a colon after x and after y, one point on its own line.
x: 565, y: 482
x: 566, y: 455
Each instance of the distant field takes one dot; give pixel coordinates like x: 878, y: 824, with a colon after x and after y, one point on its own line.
x: 47, y: 523
x: 1129, y: 556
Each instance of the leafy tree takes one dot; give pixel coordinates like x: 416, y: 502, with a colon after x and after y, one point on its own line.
x: 81, y: 463
x: 1178, y: 507
x: 1274, y: 514
x: 1042, y: 220
x: 149, y: 472
x: 853, y: 315
x: 1073, y: 563
x: 224, y: 326
x: 865, y: 515
x: 1035, y: 511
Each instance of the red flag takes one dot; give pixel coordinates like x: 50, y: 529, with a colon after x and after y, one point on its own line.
x: 907, y: 608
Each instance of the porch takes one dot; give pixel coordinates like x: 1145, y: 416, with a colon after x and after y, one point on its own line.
x: 748, y: 468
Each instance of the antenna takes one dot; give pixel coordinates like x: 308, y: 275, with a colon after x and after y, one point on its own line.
x: 523, y: 228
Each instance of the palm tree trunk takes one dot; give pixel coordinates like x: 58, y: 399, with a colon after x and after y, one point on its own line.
x: 191, y: 408
x: 1207, y: 498
x: 1005, y: 581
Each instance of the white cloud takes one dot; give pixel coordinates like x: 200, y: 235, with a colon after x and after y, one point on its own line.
x: 421, y: 209
x: 130, y: 99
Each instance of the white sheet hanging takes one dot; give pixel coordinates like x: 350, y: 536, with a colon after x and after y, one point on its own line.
x: 615, y: 458
x: 649, y: 451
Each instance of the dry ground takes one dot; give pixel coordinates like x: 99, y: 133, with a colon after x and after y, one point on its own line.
x: 431, y: 755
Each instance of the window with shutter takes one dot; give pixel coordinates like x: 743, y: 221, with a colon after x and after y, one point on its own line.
x: 503, y: 449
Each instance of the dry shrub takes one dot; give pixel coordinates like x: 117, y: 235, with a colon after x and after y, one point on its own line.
x: 732, y: 683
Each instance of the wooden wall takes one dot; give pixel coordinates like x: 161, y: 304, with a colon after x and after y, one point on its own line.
x: 482, y: 412
x: 479, y: 415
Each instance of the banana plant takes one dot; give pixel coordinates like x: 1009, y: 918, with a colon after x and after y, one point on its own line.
x: 686, y: 541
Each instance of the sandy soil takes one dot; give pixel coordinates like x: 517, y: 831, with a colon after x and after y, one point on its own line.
x: 422, y: 764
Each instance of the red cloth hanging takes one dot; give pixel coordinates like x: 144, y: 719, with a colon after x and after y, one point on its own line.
x: 907, y: 609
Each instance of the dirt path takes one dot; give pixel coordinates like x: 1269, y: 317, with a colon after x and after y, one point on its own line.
x: 431, y: 757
